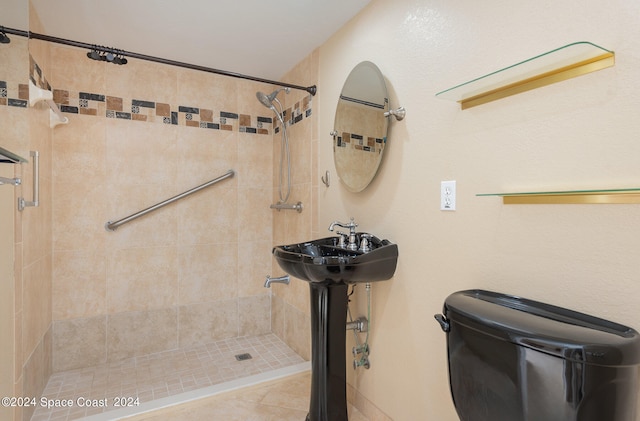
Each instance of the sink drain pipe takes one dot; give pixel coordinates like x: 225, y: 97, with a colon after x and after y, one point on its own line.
x: 361, y: 324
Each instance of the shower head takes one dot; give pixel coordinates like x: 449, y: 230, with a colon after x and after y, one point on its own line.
x: 268, y: 100
x: 265, y: 99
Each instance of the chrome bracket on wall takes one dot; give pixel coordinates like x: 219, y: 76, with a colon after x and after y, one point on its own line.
x: 22, y: 203
x: 399, y: 113
x: 13, y: 181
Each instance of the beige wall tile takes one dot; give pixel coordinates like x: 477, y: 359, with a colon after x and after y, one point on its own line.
x: 206, y: 90
x: 36, y: 303
x: 80, y: 212
x: 202, y: 323
x: 255, y: 166
x: 142, y: 279
x: 141, y: 332
x: 254, y: 264
x: 73, y: 71
x: 142, y: 80
x: 79, y: 343
x: 205, y: 154
x: 297, y: 331
x: 80, y: 289
x: 208, y: 273
x: 79, y: 150
x: 156, y: 229
x: 278, y: 316
x: 209, y: 218
x: 253, y: 315
x: 140, y: 153
x: 255, y: 214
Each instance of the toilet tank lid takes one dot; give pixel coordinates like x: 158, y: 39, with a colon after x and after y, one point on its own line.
x: 545, y: 327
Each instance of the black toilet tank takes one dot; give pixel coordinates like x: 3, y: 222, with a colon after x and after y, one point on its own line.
x: 513, y: 359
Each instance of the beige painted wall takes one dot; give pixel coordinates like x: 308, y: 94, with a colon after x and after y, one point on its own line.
x: 582, y: 133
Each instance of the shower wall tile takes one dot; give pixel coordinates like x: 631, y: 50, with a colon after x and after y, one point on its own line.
x: 139, y: 154
x: 69, y: 73
x: 142, y: 279
x: 256, y: 225
x: 140, y: 134
x: 157, y: 230
x: 253, y: 271
x: 212, y: 221
x: 80, y: 289
x: 203, y: 155
x: 255, y: 168
x: 277, y: 316
x: 297, y: 330
x: 37, y: 370
x: 79, y: 343
x: 208, y: 273
x: 36, y: 303
x: 209, y: 91
x: 253, y: 315
x: 203, y: 323
x: 140, y: 80
x: 80, y: 214
x: 141, y: 332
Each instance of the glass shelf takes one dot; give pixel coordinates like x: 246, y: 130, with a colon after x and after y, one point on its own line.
x: 609, y: 196
x: 563, y: 63
x: 9, y: 157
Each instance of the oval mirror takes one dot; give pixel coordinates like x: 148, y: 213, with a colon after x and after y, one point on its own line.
x: 360, y: 126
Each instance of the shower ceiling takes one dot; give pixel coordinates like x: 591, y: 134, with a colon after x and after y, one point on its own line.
x: 254, y: 37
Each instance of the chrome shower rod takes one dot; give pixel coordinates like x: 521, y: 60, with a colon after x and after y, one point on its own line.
x: 33, y: 35
x: 112, y: 226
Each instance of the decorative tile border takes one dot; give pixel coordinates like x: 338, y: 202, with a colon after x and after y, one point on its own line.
x: 145, y: 110
x: 14, y: 94
x: 356, y: 141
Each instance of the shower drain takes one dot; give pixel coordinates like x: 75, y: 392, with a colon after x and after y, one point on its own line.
x: 242, y: 357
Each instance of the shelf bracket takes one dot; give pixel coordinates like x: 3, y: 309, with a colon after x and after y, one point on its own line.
x: 37, y: 94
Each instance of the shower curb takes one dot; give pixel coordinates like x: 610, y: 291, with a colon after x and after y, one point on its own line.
x: 205, y: 392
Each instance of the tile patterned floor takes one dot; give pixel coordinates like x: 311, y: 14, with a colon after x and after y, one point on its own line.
x: 285, y: 399
x: 164, y: 374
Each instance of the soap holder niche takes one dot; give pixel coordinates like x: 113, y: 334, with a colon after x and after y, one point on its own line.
x: 37, y: 94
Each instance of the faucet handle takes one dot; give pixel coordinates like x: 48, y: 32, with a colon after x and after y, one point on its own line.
x: 365, y: 239
x: 342, y: 239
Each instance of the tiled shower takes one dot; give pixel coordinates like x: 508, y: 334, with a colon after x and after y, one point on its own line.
x: 189, y: 275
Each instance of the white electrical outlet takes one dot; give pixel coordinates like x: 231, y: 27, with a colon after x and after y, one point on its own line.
x: 448, y: 195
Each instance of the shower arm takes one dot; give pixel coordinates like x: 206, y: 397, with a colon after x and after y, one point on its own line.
x: 32, y: 35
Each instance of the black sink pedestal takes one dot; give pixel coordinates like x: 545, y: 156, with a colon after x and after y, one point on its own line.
x: 329, y: 302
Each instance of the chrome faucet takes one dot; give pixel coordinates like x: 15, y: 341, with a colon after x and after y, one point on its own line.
x: 353, y: 244
x: 279, y: 280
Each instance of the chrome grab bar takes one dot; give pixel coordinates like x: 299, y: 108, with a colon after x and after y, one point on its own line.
x: 113, y: 225
x: 22, y: 203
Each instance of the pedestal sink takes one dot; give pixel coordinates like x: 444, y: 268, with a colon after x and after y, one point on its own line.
x: 329, y: 267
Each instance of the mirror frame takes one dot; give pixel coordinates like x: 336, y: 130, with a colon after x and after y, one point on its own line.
x: 360, y: 126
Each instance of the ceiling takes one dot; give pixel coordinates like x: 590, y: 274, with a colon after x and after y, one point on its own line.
x: 260, y: 38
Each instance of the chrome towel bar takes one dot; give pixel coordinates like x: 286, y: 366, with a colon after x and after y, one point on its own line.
x: 113, y: 225
x: 22, y: 203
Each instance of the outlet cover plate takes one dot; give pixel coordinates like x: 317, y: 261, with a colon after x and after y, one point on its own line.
x: 448, y: 195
